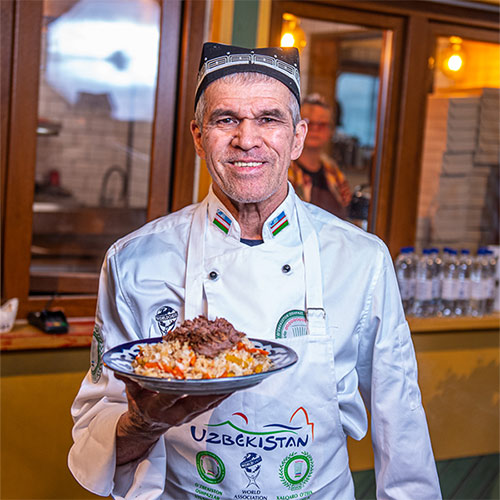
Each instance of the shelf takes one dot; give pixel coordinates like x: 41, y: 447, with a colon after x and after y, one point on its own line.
x: 25, y: 336
x: 430, y: 325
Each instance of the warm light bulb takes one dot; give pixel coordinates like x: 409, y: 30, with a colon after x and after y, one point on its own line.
x: 452, y: 59
x: 287, y: 40
x: 293, y: 34
x: 454, y: 62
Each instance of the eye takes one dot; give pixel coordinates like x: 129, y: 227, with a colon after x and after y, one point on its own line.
x: 267, y: 119
x: 228, y: 120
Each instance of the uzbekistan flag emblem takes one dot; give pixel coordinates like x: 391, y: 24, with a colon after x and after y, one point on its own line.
x: 278, y: 223
x: 222, y: 221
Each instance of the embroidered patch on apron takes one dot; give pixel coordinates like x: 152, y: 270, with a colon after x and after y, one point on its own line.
x: 251, y: 465
x: 292, y: 324
x: 296, y: 470
x: 96, y: 352
x: 210, y: 467
x: 166, y: 317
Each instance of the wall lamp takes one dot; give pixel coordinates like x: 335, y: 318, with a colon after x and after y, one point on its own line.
x: 292, y: 35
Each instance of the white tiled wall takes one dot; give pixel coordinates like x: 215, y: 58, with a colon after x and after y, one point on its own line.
x: 89, y: 143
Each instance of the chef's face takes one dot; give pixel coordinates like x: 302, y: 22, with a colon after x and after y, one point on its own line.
x: 248, y: 139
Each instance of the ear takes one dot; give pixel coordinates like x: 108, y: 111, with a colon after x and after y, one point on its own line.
x: 196, y: 133
x: 298, y: 139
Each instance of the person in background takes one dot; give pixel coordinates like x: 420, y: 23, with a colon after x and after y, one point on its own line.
x: 278, y: 269
x: 315, y: 176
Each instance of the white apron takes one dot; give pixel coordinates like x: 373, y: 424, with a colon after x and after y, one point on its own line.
x: 282, y: 439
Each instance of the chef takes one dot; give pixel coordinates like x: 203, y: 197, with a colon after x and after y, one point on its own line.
x: 277, y: 268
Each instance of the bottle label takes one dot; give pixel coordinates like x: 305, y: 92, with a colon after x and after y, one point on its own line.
x: 478, y: 290
x: 436, y: 288
x: 489, y: 288
x: 406, y: 288
x: 464, y: 290
x: 450, y: 289
x: 423, y: 290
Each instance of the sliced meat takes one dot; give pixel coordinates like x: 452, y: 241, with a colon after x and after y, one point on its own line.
x: 205, y: 336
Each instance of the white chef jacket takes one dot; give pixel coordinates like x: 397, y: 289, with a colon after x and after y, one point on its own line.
x: 141, y: 294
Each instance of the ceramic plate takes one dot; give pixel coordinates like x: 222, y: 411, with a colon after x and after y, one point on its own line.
x: 119, y: 359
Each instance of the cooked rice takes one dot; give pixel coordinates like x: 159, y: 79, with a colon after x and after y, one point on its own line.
x: 171, y: 359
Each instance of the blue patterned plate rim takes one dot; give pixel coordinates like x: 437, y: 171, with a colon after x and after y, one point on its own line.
x: 119, y: 359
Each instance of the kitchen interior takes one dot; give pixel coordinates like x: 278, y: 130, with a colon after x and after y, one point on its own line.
x: 96, y: 105
x: 417, y: 142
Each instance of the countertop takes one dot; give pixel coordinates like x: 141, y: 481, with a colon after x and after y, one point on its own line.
x: 24, y: 336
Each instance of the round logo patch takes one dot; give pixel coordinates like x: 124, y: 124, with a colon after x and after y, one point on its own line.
x: 166, y: 318
x: 296, y: 470
x: 96, y: 352
x: 292, y: 324
x: 210, y: 467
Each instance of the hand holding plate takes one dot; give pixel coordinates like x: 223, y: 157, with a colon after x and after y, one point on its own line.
x: 150, y: 414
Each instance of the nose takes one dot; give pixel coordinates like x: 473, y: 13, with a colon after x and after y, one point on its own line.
x: 247, y: 135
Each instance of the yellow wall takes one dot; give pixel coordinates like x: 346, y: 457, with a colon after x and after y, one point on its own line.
x: 36, y: 424
x: 459, y: 381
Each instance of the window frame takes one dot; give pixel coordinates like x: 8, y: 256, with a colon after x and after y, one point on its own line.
x: 402, y: 103
x: 21, y: 30
x: 389, y: 90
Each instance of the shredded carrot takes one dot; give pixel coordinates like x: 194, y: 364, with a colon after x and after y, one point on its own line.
x: 178, y: 372
x: 259, y: 351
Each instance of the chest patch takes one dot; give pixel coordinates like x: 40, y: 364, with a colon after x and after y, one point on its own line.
x: 292, y: 324
x: 166, y: 317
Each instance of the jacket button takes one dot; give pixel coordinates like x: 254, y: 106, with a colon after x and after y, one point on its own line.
x: 286, y: 268
x: 213, y: 275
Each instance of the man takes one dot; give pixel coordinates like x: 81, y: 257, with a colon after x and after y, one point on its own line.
x: 315, y: 176
x: 253, y: 253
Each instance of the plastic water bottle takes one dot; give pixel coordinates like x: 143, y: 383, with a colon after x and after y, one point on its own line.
x: 436, y: 280
x: 490, y: 281
x: 449, y: 282
x: 423, y: 305
x: 479, y: 283
x: 462, y: 304
x: 405, y: 266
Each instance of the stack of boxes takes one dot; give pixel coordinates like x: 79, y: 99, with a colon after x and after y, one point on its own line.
x: 459, y: 193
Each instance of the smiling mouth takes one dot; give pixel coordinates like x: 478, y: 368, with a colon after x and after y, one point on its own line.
x: 246, y: 164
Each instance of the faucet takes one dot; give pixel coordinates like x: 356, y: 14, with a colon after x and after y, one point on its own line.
x: 104, y: 200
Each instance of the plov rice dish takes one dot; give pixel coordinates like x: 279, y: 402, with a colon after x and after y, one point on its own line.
x: 201, y: 349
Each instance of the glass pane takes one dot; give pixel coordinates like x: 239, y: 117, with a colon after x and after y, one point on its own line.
x: 458, y: 202
x: 340, y: 66
x: 96, y: 103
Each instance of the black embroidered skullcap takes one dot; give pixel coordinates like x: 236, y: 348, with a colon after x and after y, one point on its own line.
x: 218, y: 60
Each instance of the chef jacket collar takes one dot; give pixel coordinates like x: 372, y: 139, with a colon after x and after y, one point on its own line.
x: 221, y: 220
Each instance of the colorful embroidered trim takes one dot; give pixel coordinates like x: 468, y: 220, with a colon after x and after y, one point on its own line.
x: 222, y: 221
x: 278, y: 223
